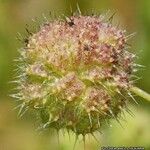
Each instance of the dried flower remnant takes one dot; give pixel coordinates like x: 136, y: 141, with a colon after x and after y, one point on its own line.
x: 77, y: 72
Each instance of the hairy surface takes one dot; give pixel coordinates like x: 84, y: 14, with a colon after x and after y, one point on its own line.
x: 76, y: 73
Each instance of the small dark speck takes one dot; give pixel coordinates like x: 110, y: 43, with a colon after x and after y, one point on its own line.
x: 27, y: 30
x: 46, y: 24
x: 86, y: 48
x: 71, y: 23
x: 26, y: 41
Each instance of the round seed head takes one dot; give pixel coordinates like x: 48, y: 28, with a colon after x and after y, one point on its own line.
x: 76, y: 73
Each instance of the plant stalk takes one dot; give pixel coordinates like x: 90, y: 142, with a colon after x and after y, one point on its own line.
x: 140, y: 93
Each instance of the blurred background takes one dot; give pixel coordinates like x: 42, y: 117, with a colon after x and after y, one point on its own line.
x: 20, y: 134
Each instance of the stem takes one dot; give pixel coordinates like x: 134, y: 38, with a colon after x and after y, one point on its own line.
x: 140, y: 93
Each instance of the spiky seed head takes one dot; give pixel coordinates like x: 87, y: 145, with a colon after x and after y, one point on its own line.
x: 76, y: 73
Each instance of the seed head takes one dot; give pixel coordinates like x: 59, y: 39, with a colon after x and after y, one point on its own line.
x: 76, y: 73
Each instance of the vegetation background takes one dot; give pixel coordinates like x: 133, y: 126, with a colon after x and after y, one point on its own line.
x: 20, y: 134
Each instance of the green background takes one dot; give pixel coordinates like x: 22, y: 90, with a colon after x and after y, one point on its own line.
x: 20, y: 134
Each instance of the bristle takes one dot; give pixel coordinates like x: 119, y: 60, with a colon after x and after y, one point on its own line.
x: 58, y: 137
x: 129, y: 93
x: 130, y: 36
x: 90, y: 119
x: 84, y: 144
x: 95, y: 138
x: 75, y: 142
x: 21, y: 110
x: 78, y: 9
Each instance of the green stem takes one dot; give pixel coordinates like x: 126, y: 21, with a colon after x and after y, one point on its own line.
x: 140, y: 93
